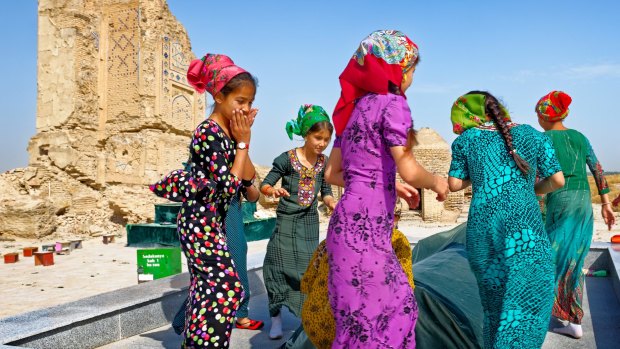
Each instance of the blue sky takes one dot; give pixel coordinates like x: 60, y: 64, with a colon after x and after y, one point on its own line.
x: 518, y: 51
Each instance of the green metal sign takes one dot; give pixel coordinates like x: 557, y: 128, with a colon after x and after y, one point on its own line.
x: 157, y: 263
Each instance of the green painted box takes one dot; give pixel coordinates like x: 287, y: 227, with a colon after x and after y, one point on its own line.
x: 152, y: 235
x: 157, y: 263
x: 167, y: 213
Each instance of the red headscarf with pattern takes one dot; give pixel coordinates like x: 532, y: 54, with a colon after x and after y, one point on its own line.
x: 553, y: 106
x: 212, y: 72
x: 384, y: 56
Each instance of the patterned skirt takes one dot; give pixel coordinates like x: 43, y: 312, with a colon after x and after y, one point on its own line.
x: 570, y: 224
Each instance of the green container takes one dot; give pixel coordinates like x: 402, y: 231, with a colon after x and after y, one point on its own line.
x: 152, y: 234
x: 259, y: 229
x: 167, y: 213
x: 248, y: 209
x: 157, y: 263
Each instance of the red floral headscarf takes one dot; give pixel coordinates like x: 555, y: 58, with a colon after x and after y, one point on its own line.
x: 212, y: 73
x: 553, y: 106
x: 384, y: 56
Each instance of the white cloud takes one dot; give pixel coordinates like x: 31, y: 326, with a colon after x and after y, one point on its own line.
x: 592, y: 71
x: 581, y: 72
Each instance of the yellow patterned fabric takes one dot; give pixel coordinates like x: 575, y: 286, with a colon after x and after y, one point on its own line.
x: 316, y: 314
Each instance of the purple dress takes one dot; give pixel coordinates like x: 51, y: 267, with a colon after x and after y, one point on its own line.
x: 372, y: 302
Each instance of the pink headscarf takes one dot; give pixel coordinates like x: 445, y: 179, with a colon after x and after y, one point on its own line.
x: 212, y: 73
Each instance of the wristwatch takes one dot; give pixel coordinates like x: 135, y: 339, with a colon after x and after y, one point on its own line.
x: 243, y: 145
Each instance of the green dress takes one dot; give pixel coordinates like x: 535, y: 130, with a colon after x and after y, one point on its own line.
x: 296, y: 235
x: 507, y: 247
x: 570, y: 221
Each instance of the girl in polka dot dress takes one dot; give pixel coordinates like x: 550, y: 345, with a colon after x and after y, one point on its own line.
x: 219, y: 162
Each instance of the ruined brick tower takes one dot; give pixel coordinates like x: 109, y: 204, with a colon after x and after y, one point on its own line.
x: 114, y: 113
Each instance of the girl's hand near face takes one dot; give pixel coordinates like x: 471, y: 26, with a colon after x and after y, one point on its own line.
x: 240, y: 126
x: 252, y: 115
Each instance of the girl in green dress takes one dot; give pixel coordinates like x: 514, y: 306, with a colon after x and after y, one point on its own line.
x: 296, y: 235
x: 507, y: 247
x: 569, y: 218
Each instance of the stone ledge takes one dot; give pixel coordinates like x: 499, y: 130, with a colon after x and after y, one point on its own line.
x: 603, y: 256
x: 614, y: 269
x: 598, y: 256
x: 112, y: 316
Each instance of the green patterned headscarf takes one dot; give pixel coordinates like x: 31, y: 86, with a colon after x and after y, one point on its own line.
x: 468, y: 111
x: 307, y: 116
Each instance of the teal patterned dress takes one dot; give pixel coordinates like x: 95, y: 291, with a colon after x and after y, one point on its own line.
x: 508, y: 249
x: 570, y: 222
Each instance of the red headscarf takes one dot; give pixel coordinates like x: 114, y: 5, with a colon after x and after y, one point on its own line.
x: 385, y: 55
x: 212, y: 72
x: 553, y: 106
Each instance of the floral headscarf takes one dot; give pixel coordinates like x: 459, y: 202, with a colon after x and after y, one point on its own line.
x: 553, y: 106
x: 212, y: 73
x: 384, y: 56
x: 468, y: 111
x: 307, y: 116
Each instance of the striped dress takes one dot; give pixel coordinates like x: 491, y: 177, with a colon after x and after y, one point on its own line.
x: 296, y: 235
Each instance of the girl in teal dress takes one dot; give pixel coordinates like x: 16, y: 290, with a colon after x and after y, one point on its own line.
x: 507, y: 247
x: 569, y: 218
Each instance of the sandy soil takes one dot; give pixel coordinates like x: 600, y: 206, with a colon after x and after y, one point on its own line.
x: 94, y: 269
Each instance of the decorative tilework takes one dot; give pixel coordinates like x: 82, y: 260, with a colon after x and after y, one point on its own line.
x: 181, y: 108
x: 178, y: 96
x: 122, y: 64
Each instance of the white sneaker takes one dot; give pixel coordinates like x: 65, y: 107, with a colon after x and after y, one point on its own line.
x: 573, y: 330
x: 276, y: 327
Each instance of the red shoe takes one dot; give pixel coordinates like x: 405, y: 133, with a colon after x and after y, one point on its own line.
x: 250, y: 325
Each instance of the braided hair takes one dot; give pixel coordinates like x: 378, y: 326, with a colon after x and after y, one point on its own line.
x: 494, y: 110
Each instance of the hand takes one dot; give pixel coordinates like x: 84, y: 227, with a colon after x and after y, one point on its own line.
x: 279, y: 192
x: 441, y: 188
x: 331, y: 204
x: 616, y: 201
x: 240, y: 126
x: 410, y: 194
x: 608, y: 216
x: 252, y: 115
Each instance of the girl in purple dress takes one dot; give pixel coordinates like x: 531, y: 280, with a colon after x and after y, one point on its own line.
x: 371, y: 299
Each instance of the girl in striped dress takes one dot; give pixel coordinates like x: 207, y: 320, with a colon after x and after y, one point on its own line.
x: 296, y: 234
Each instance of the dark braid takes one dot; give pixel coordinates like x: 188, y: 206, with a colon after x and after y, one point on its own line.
x: 497, y: 113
